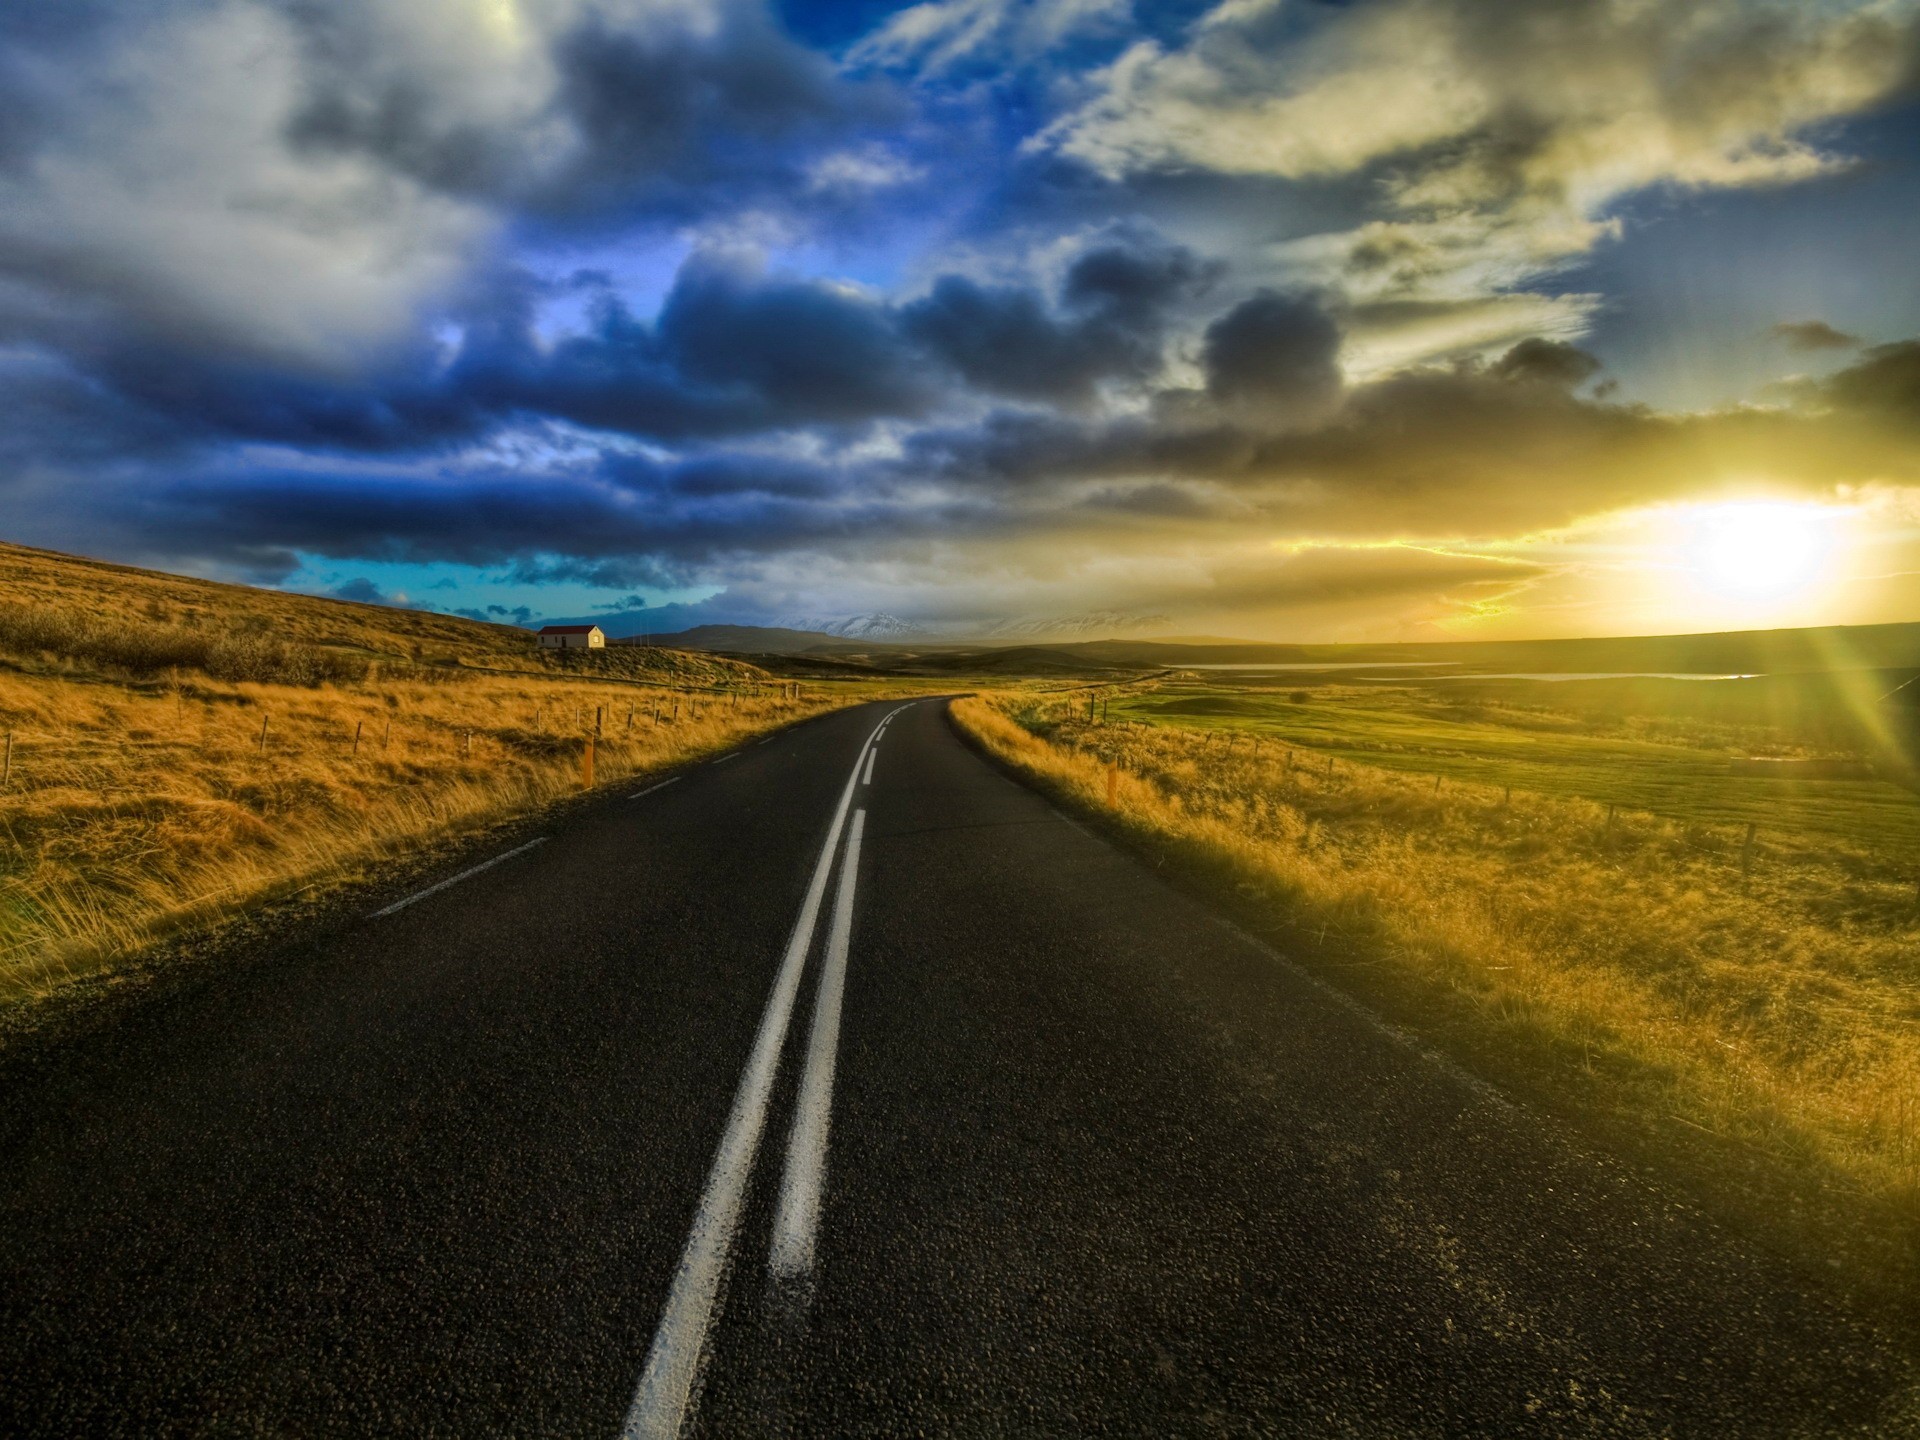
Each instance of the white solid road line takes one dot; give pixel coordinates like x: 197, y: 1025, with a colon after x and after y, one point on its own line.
x: 872, y: 755
x: 730, y: 755
x: 651, y: 788
x: 796, y: 1225
x: 666, y: 1385
x: 456, y: 879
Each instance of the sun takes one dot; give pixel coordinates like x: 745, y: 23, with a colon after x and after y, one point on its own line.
x: 1760, y: 550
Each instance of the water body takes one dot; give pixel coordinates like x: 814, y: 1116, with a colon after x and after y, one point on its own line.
x: 1391, y: 667
x: 1328, y: 665
x: 1590, y: 675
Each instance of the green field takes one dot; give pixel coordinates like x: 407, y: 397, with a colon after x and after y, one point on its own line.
x: 1662, y: 747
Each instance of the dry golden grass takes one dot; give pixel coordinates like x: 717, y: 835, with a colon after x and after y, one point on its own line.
x: 1647, y: 972
x: 133, y: 812
x: 141, y: 798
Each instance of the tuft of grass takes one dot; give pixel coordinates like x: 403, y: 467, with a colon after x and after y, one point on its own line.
x: 1752, y: 1011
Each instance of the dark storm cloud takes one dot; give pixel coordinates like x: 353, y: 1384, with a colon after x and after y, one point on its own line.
x: 618, y: 527
x: 734, y: 351
x: 810, y: 352
x: 1547, y: 362
x: 1468, y: 448
x: 1115, y: 305
x: 1807, y: 336
x: 671, y: 115
x: 1884, y: 385
x: 1278, y: 352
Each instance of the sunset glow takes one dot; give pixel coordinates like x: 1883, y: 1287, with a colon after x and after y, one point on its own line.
x: 1759, y: 551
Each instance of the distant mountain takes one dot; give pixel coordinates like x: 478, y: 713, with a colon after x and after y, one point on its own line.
x: 738, y: 639
x: 856, y: 627
x: 1859, y: 647
x: 1093, y: 624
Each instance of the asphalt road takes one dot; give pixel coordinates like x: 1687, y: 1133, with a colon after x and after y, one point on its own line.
x: 579, y: 1145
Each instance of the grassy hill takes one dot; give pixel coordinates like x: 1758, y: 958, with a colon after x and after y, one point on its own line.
x: 177, y: 751
x: 141, y: 623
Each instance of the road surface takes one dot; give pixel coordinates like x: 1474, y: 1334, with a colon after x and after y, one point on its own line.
x: 843, y: 1087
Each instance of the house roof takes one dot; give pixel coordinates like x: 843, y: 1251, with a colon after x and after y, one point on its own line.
x: 568, y: 629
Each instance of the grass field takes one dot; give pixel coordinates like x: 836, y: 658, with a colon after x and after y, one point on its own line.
x: 1755, y: 1011
x: 1656, y: 746
x: 178, y: 751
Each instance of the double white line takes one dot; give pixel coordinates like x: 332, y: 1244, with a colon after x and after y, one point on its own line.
x: 666, y: 1385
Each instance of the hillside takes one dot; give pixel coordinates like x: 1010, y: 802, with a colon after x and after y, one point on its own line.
x: 128, y: 621
x: 738, y: 639
x: 178, y: 751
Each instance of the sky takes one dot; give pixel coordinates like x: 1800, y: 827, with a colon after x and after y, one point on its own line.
x: 1283, y: 319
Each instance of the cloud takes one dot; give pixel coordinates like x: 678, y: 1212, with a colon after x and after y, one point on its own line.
x: 1514, y: 127
x: 942, y: 36
x: 1810, y: 336
x: 362, y: 590
x: 1278, y: 354
x: 1882, y: 387
x: 735, y: 351
x: 1117, y: 300
x: 1454, y: 451
x: 1547, y: 362
x: 305, y: 185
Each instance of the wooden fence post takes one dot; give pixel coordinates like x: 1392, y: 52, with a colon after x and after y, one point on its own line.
x: 586, y: 766
x: 6, y: 765
x: 629, y: 719
x: 356, y: 735
x: 467, y: 751
x: 388, y: 735
x: 1113, y: 782
x: 596, y: 720
x: 263, y: 734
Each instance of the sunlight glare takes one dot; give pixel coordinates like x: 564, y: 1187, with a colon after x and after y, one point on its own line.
x: 1760, y: 550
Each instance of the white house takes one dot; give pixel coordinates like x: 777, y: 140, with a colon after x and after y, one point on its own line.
x: 571, y: 637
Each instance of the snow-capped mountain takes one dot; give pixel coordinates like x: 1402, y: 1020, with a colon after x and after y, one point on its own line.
x: 857, y: 627
x: 884, y: 628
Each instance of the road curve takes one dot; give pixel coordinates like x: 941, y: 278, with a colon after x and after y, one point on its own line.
x: 1031, y: 1145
